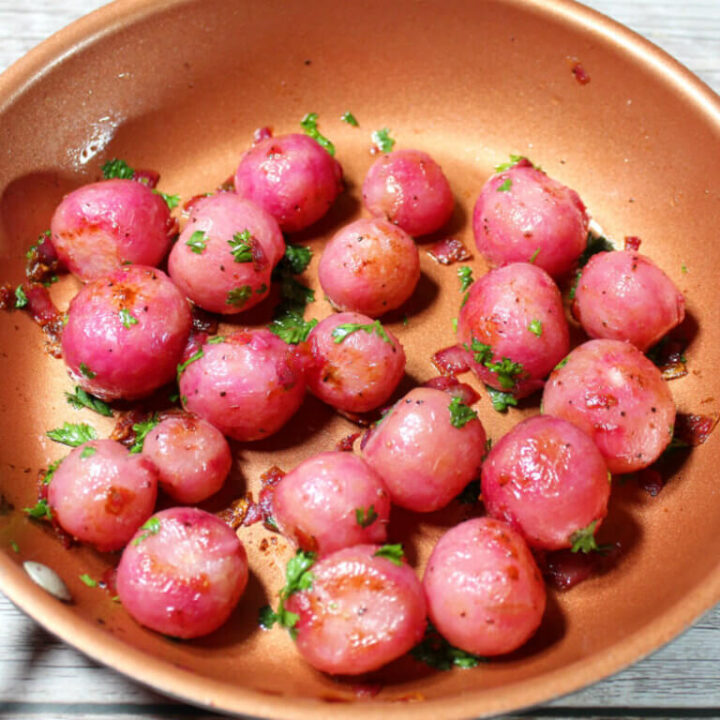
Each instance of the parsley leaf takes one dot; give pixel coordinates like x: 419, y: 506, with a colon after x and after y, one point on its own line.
x: 51, y: 471
x: 82, y: 399
x: 197, y: 242
x: 297, y: 577
x: 506, y: 185
x: 196, y: 356
x: 86, y: 371
x: 141, y: 431
x: 73, y: 435
x: 534, y: 256
x: 460, y: 413
x: 435, y: 651
x: 584, y: 540
x: 500, y: 400
x: 127, y: 318
x: 465, y: 274
x: 216, y: 340
x: 14, y: 546
x: 535, y: 327
x: 365, y: 516
x: 87, y: 452
x: 514, y: 160
x: 595, y: 244
x: 240, y: 247
x: 151, y: 527
x: 309, y: 125
x: 291, y: 326
x: 40, y: 510
x: 340, y: 332
x: 382, y: 140
x: 116, y: 168
x: 88, y: 580
x: 296, y: 259
x: 394, y: 553
x: 172, y: 201
x: 20, y: 297
x: 350, y: 119
x: 561, y: 364
x: 239, y: 296
x: 507, y: 370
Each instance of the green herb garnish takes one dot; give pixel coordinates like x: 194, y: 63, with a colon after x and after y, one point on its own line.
x: 535, y: 327
x: 394, y: 553
x: 40, y: 510
x: 438, y: 653
x: 141, y: 431
x: 382, y: 140
x: 86, y: 371
x: 365, y: 516
x: 20, y: 297
x: 240, y: 247
x: 239, y: 296
x: 172, y: 201
x: 151, y: 527
x: 309, y: 125
x: 73, y: 435
x: 117, y: 169
x: 507, y: 370
x: 350, y: 119
x: 506, y: 185
x: 297, y: 577
x: 460, y: 413
x: 87, y: 452
x: 471, y: 493
x: 127, y: 318
x: 500, y: 400
x: 465, y: 274
x: 534, y: 256
x: 296, y: 259
x: 584, y: 540
x: 51, y: 471
x: 88, y: 580
x: 82, y: 399
x: 340, y: 332
x: 197, y: 242
x: 196, y: 356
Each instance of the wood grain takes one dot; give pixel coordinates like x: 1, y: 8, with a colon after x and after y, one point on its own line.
x: 41, y: 677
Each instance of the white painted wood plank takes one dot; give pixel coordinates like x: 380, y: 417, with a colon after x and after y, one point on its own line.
x: 43, y: 678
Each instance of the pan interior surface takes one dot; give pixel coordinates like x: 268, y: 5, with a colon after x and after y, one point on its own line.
x: 179, y: 87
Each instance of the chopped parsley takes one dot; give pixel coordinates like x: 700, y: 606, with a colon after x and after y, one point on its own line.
x: 20, y: 297
x: 595, y: 244
x: 216, y: 340
x: 340, y: 332
x: 296, y: 259
x: 350, y: 119
x: 297, y: 577
x: 87, y: 580
x: 507, y: 370
x: 382, y: 140
x: 500, y: 400
x: 561, y: 364
x: 141, y: 431
x: 514, y: 160
x: 506, y: 185
x: 87, y: 452
x: 82, y: 399
x: 86, y: 371
x: 394, y: 553
x: 460, y: 413
x: 454, y: 322
x: 309, y: 125
x: 465, y: 274
x: 197, y: 242
x: 151, y: 527
x: 288, y: 322
x: 434, y: 650
x: 240, y: 247
x: 127, y: 318
x: 584, y: 540
x: 365, y: 516
x: 73, y: 435
x: 50, y: 472
x: 535, y: 327
x: 239, y: 296
x: 40, y: 510
x: 683, y: 269
x: 116, y: 168
x: 182, y: 366
x: 534, y: 256
x: 172, y: 201
x: 14, y: 546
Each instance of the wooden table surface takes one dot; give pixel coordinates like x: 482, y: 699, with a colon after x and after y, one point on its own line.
x: 41, y: 677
